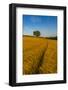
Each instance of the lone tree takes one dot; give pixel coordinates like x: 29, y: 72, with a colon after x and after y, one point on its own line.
x: 36, y: 33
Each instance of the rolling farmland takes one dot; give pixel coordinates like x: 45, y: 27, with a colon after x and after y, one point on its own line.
x: 39, y: 55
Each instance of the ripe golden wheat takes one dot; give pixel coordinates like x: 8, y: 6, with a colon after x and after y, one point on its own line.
x: 39, y: 55
x: 49, y: 62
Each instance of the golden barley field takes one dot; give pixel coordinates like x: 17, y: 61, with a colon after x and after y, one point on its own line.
x: 39, y: 55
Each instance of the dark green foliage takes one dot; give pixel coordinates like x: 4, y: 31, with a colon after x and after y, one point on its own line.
x: 53, y: 38
x: 36, y: 33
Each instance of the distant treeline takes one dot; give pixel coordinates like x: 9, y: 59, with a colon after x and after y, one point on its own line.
x: 53, y: 38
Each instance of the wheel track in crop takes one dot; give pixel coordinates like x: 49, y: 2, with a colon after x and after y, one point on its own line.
x: 41, y: 59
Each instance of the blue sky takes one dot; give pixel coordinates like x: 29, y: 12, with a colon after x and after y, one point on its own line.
x: 47, y: 25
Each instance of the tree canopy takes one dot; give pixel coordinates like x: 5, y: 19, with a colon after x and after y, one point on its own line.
x: 36, y: 33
